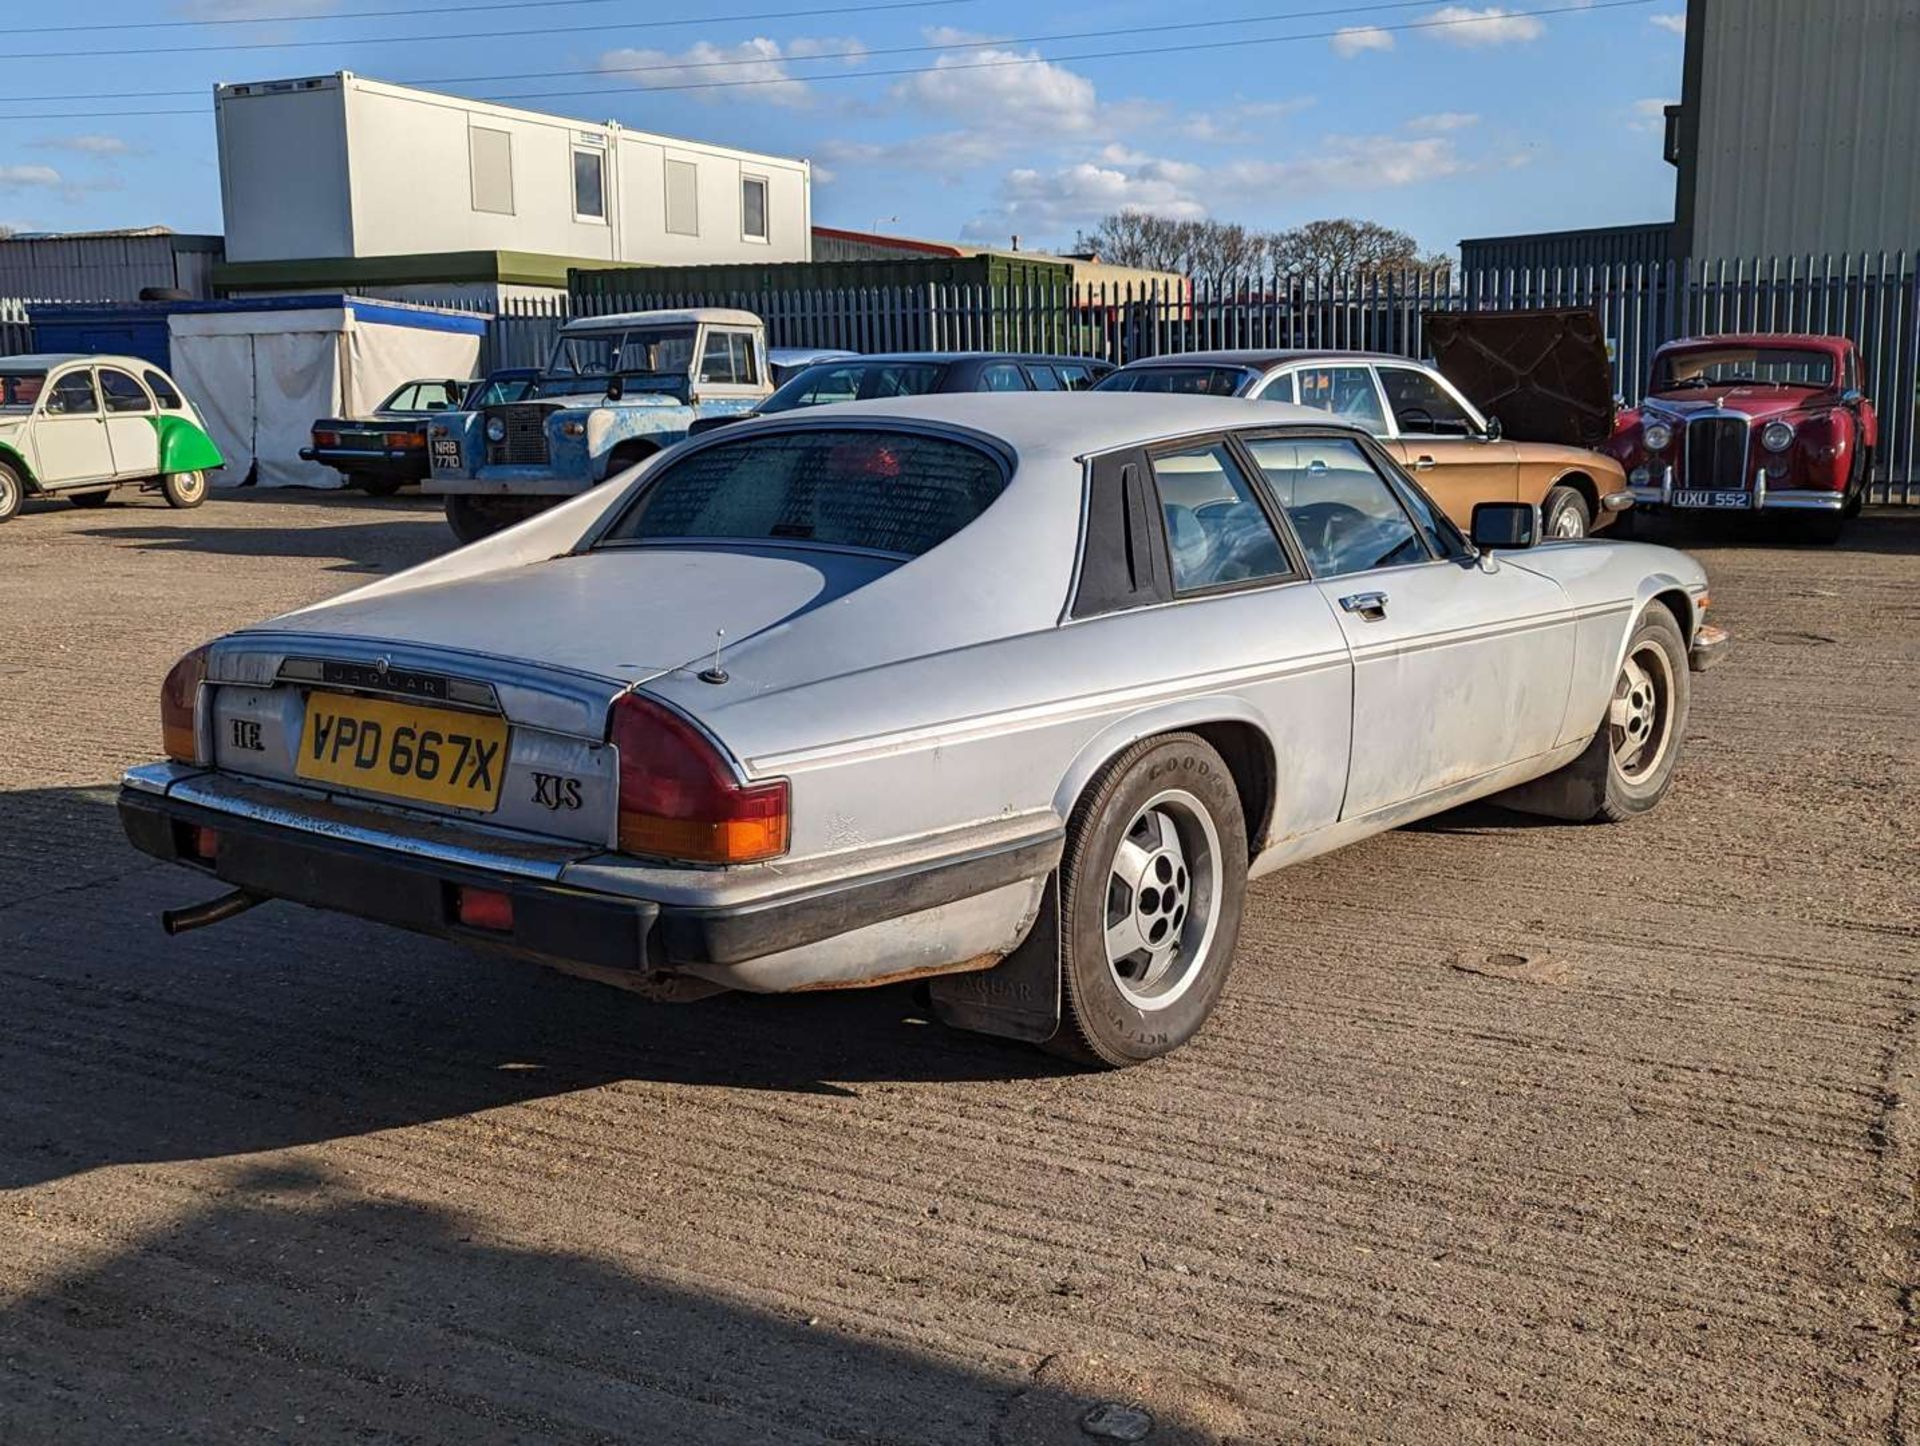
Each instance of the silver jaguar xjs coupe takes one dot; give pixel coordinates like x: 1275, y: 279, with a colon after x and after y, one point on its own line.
x: 1012, y: 693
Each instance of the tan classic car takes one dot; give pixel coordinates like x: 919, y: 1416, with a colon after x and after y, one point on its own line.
x: 1462, y: 451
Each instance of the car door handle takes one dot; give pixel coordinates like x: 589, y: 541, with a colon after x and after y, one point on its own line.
x: 1370, y: 605
x: 1424, y: 463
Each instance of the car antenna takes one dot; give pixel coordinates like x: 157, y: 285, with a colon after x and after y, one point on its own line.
x: 715, y: 674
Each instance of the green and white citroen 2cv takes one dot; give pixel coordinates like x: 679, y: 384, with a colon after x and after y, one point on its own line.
x: 80, y: 426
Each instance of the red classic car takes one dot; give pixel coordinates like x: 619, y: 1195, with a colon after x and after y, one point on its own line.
x: 1752, y: 423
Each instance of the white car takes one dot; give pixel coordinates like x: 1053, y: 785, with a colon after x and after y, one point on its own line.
x: 1014, y: 692
x: 79, y: 426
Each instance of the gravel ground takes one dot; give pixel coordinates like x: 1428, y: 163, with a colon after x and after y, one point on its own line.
x: 1504, y: 1131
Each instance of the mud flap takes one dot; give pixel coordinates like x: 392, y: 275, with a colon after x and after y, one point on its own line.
x: 1019, y: 998
x: 1574, y: 792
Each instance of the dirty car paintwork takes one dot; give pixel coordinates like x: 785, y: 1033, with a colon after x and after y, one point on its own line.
x: 949, y: 707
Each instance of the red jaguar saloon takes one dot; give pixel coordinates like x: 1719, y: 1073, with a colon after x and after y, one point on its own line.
x: 1750, y: 424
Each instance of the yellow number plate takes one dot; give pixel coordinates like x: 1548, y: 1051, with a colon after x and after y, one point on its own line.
x: 404, y: 750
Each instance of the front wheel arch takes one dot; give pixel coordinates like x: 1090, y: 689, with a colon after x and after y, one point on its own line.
x: 627, y: 454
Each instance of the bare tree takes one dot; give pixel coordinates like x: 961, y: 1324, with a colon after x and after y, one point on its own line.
x: 1217, y: 253
x: 1343, y: 246
x: 1209, y: 251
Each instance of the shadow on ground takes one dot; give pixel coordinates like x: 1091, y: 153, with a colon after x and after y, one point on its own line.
x: 1885, y: 530
x: 291, y: 1026
x: 298, y: 1309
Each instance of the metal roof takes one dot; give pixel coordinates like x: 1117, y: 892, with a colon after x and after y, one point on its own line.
x: 693, y: 316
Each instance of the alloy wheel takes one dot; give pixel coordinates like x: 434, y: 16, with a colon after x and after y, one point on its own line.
x: 1163, y: 900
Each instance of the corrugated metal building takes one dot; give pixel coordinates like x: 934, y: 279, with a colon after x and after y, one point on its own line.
x: 1798, y: 129
x: 1648, y: 245
x: 108, y: 265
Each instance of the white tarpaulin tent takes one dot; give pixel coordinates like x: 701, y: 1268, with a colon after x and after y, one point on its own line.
x: 262, y: 372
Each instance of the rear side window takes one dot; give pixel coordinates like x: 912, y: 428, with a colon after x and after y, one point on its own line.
x: 122, y: 392
x: 1002, y: 377
x: 898, y: 492
x: 1216, y: 531
x: 164, y: 393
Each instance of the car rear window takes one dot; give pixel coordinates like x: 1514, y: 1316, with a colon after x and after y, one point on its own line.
x: 897, y: 492
x: 1185, y: 381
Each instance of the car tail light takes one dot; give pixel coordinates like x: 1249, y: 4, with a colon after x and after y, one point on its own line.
x: 326, y: 439
x: 406, y: 439
x: 180, y: 707
x: 678, y: 797
x: 487, y: 909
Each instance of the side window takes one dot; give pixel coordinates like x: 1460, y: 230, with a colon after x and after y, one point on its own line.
x: 1278, y: 389
x: 1434, y: 524
x: 122, y: 392
x: 404, y: 400
x: 1346, y: 391
x: 753, y: 208
x: 1002, y: 377
x: 73, y: 393
x: 744, y: 370
x: 1347, y: 517
x: 1421, y: 406
x: 1075, y: 378
x: 164, y: 393
x: 1043, y: 379
x: 1216, y: 532
x: 589, y: 184
x: 716, y: 362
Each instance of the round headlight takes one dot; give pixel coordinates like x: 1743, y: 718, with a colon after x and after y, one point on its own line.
x: 1658, y: 436
x: 496, y: 430
x: 1777, y: 436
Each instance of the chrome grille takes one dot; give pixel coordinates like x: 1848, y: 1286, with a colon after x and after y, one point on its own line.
x: 526, y: 439
x: 1715, y: 453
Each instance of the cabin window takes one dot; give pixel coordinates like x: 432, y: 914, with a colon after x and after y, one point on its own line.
x: 753, y: 208
x: 589, y: 185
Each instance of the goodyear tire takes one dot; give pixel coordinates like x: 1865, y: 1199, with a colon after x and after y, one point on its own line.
x: 13, y: 492
x: 1564, y: 514
x: 1152, y: 883
x: 184, y: 489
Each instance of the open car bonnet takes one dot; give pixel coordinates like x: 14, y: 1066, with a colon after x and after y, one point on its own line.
x: 1544, y: 374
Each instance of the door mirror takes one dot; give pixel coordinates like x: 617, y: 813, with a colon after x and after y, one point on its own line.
x: 1494, y: 430
x: 1504, y: 525
x: 1852, y: 397
x: 616, y: 388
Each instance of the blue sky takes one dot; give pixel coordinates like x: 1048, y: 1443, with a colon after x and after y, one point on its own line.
x: 1515, y: 120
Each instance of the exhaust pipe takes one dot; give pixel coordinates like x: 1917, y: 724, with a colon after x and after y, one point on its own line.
x: 214, y: 911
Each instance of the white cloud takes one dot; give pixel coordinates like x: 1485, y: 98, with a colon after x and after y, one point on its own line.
x: 723, y: 67
x: 1672, y: 24
x: 1240, y: 124
x: 1353, y: 39
x: 1464, y: 25
x: 15, y: 178
x: 88, y: 145
x: 1054, y: 204
x: 988, y: 88
x: 1442, y: 121
x: 1345, y: 163
x: 954, y: 35
x: 1648, y: 116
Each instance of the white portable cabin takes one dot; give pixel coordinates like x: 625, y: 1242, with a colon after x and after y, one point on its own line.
x: 262, y: 372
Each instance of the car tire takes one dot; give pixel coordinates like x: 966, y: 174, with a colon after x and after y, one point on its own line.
x: 1612, y: 780
x: 473, y: 518
x: 1859, y: 483
x: 13, y: 492
x: 1823, y: 529
x: 184, y: 489
x: 1156, y: 855
x: 94, y: 498
x: 1564, y: 514
x: 375, y: 486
